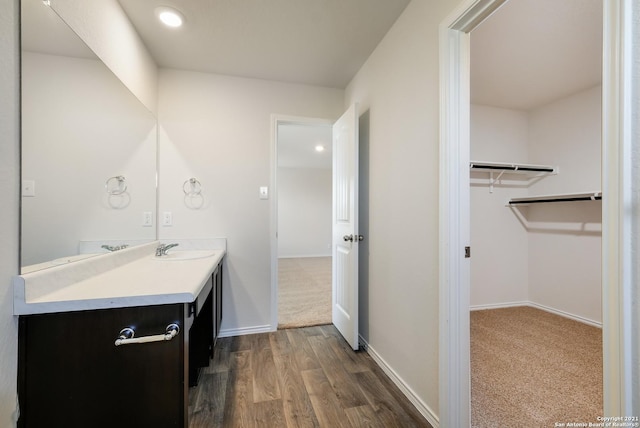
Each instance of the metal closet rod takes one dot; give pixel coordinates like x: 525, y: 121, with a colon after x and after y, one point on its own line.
x: 514, y: 168
x: 594, y: 196
x: 511, y: 167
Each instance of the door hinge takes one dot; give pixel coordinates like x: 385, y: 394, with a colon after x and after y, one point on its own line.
x: 467, y: 252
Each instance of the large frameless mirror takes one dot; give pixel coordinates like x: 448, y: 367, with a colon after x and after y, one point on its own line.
x: 88, y: 150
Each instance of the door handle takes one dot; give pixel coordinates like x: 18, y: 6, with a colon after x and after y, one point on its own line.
x: 352, y: 238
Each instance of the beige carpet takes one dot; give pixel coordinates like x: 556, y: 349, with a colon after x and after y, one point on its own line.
x: 530, y: 368
x: 304, y: 292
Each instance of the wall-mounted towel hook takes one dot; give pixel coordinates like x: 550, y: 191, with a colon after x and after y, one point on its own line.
x: 116, y: 185
x: 192, y: 187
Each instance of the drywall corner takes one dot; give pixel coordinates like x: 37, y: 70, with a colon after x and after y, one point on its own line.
x: 10, y: 218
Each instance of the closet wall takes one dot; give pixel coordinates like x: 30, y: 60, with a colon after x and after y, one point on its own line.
x: 545, y: 255
x: 565, y: 238
x: 500, y: 261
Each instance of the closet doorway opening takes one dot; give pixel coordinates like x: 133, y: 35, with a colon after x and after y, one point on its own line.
x: 536, y: 213
x: 454, y: 208
x: 303, y: 205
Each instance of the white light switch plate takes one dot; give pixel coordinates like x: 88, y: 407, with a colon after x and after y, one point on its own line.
x: 147, y: 219
x: 167, y: 218
x: 264, y: 192
x: 28, y: 188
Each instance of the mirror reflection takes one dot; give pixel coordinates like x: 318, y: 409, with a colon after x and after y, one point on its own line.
x: 88, y: 150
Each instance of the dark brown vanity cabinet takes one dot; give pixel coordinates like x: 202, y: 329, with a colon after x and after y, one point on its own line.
x: 71, y: 373
x: 206, y: 327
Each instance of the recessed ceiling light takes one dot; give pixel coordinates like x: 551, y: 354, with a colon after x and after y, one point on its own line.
x: 169, y: 16
x: 319, y: 148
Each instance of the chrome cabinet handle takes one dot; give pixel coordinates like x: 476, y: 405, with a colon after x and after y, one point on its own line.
x: 126, y: 336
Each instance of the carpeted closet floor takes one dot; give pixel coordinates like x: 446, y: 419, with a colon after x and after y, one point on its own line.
x: 304, y: 292
x: 530, y: 368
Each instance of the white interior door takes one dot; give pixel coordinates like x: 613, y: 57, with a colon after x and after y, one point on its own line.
x: 345, y: 226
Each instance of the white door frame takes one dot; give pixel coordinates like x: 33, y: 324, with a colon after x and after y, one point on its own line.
x: 617, y: 219
x: 277, y: 119
x: 617, y: 285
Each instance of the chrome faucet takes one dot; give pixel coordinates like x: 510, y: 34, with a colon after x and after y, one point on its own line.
x: 115, y: 248
x: 163, y: 248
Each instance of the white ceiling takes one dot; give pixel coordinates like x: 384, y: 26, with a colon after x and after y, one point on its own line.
x: 45, y: 32
x: 528, y: 53
x: 315, y: 42
x: 296, y: 146
x: 532, y: 52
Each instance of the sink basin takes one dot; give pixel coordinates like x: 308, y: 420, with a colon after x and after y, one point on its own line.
x: 184, y: 255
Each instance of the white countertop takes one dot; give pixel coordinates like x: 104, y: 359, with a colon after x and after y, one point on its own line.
x: 125, y: 278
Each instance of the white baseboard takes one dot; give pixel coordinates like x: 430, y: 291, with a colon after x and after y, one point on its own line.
x: 304, y: 256
x: 566, y: 315
x: 245, y: 330
x: 499, y: 305
x: 429, y: 415
x: 541, y: 307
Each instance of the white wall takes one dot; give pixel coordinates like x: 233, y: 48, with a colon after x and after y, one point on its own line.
x: 108, y: 32
x: 10, y: 214
x: 80, y: 127
x: 500, y: 254
x: 304, y: 212
x: 547, y: 254
x: 398, y: 85
x: 218, y: 130
x: 567, y: 133
x: 565, y: 239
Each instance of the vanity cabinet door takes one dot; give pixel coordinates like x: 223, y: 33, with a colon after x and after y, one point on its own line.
x: 71, y: 374
x: 217, y: 312
x: 206, y: 326
x: 201, y: 333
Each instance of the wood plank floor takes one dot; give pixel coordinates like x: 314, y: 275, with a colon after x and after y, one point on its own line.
x: 306, y: 377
